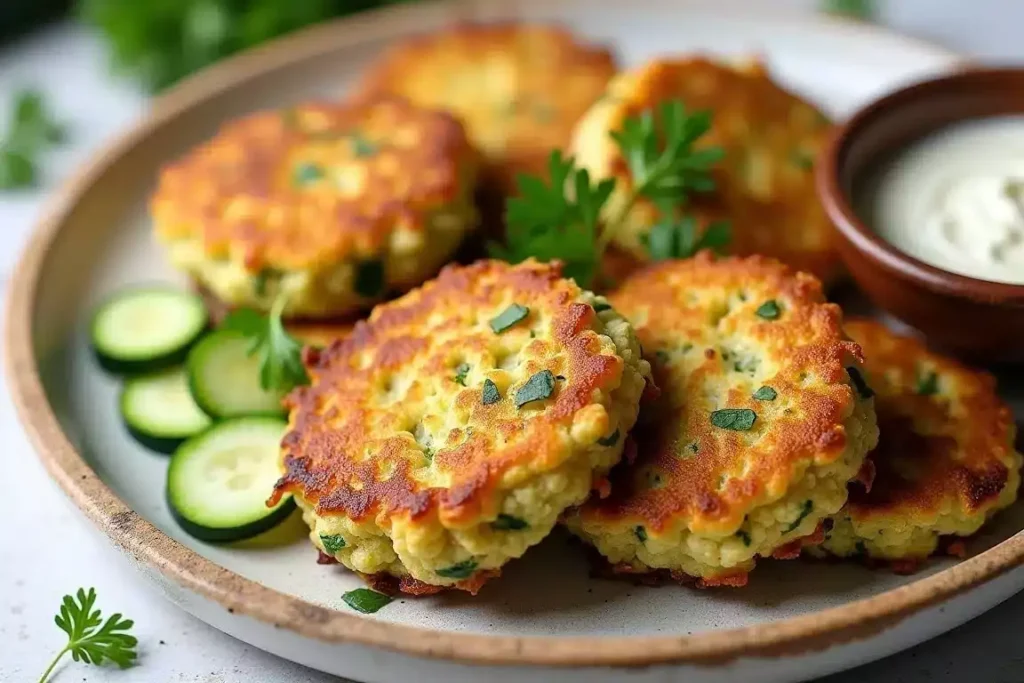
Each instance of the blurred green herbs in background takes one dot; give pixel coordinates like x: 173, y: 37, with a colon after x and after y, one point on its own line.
x: 162, y: 41
x: 31, y: 130
x: 855, y: 9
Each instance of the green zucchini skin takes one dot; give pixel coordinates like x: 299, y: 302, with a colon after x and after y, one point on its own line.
x: 169, y: 352
x: 239, y: 533
x: 218, y: 481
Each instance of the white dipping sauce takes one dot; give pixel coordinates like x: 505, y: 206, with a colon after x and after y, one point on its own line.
x: 955, y: 199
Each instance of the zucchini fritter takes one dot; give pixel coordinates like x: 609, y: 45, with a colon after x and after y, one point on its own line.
x: 518, y: 88
x: 333, y: 205
x: 445, y: 435
x: 762, y: 421
x: 764, y: 185
x: 945, y: 461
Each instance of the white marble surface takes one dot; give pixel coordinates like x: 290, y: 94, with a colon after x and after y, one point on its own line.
x: 48, y: 549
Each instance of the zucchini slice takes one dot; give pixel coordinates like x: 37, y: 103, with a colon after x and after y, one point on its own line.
x: 225, y: 378
x: 159, y: 411
x: 219, y: 481
x: 147, y: 328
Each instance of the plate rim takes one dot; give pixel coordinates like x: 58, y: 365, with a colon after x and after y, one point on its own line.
x: 190, y: 570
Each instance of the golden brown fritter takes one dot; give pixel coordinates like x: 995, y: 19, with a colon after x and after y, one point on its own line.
x: 759, y: 427
x: 945, y: 460
x: 765, y: 183
x: 519, y: 88
x: 446, y: 434
x: 331, y: 204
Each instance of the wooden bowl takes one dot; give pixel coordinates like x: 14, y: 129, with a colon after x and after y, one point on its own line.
x: 974, y: 318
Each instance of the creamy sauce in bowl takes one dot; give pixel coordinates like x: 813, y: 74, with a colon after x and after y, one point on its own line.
x: 955, y: 199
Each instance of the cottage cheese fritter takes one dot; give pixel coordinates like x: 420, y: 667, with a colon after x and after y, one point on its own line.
x: 519, y: 88
x: 945, y: 461
x: 765, y: 183
x: 763, y: 419
x: 333, y: 204
x: 445, y: 435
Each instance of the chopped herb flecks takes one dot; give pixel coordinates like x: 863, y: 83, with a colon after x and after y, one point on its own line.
x: 362, y: 147
x: 365, y: 600
x: 859, y: 383
x: 508, y: 318
x: 509, y: 523
x: 332, y: 543
x: 662, y: 356
x: 743, y: 536
x: 306, y: 174
x: 601, y: 306
x: 490, y: 394
x: 929, y: 384
x: 640, y: 533
x: 259, y: 282
x: 804, y: 511
x: 370, y: 279
x: 765, y: 394
x: 769, y: 310
x: 736, y: 419
x: 610, y: 440
x: 537, y: 388
x: 461, y: 370
x: 801, y: 159
x: 461, y: 570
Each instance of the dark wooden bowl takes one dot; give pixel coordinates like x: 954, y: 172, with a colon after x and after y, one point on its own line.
x: 977, y: 319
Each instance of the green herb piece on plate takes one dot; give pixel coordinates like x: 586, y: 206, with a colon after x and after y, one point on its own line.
x: 365, y: 600
x: 765, y: 394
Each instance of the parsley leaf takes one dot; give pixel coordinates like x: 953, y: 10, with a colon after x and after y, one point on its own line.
x: 365, y: 600
x: 280, y: 354
x: 735, y: 419
x: 90, y: 639
x: 460, y: 570
x: 562, y: 219
x: 547, y: 222
x: 30, y: 131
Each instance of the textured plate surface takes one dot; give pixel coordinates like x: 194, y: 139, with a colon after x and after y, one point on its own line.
x: 97, y: 238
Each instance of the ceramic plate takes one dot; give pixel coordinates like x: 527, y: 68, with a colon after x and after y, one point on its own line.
x: 795, y: 620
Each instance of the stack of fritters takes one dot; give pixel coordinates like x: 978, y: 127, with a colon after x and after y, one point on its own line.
x: 455, y: 427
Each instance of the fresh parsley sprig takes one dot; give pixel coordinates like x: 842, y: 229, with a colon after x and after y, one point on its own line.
x: 91, y: 639
x: 30, y: 131
x: 280, y: 354
x: 562, y: 219
x: 547, y: 222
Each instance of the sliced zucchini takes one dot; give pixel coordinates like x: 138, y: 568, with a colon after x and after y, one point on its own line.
x: 225, y: 379
x: 219, y: 481
x: 148, y: 328
x: 159, y: 410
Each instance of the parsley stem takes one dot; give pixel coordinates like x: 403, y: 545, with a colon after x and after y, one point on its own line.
x: 53, y: 664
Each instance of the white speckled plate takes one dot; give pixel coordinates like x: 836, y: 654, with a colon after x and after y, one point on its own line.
x: 795, y: 620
